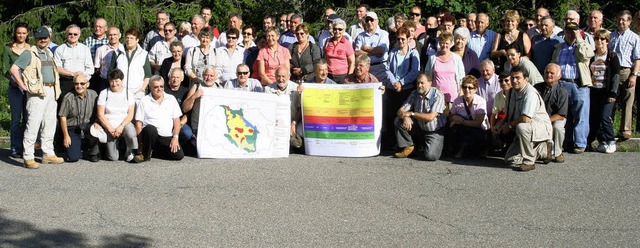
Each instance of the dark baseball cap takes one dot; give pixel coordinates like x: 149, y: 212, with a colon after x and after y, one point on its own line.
x: 41, y: 32
x: 572, y: 26
x: 333, y: 17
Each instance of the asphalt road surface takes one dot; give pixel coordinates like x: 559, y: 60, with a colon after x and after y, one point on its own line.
x: 592, y: 200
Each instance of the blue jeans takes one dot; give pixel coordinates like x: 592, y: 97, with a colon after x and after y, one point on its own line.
x: 185, y: 134
x: 577, y: 127
x: 80, y: 143
x: 17, y: 104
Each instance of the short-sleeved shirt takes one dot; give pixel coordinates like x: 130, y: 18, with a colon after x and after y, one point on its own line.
x: 94, y: 43
x: 433, y: 101
x: 378, y: 38
x: 542, y: 50
x: 47, y: 70
x: 251, y: 85
x: 477, y: 107
x: 116, y: 105
x: 482, y: 44
x: 78, y: 111
x: 273, y: 59
x: 180, y: 94
x: 488, y: 89
x: 626, y: 45
x: 337, y: 56
x: 75, y: 58
x: 499, y: 103
x: 158, y: 114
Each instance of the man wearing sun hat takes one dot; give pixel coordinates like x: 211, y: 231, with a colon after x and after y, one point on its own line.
x: 36, y: 73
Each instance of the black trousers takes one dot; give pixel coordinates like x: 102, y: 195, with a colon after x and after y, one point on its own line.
x: 151, y: 141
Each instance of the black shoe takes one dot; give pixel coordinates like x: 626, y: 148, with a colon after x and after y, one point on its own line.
x: 94, y: 158
x: 16, y: 155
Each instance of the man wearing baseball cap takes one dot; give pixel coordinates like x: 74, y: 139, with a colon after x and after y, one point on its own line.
x: 36, y: 74
x: 573, y: 56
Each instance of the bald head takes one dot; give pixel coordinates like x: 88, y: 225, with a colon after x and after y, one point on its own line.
x: 282, y: 75
x: 552, y: 74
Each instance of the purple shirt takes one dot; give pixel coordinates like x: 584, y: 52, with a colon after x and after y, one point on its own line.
x: 488, y: 89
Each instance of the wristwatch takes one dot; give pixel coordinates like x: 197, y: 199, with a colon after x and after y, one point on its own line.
x: 413, y: 114
x: 637, y: 73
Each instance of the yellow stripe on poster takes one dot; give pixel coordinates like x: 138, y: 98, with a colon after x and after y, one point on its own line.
x: 338, y: 99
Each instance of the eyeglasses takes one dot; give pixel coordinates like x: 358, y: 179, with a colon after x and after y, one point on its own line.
x: 169, y: 30
x: 231, y: 37
x: 601, y: 38
x: 415, y: 14
x: 80, y: 83
x: 512, y: 54
x: 242, y: 73
x: 300, y: 34
x: 73, y: 34
x: 247, y: 33
x: 402, y: 39
x: 468, y: 88
x: 369, y: 20
x: 158, y: 87
x: 338, y: 29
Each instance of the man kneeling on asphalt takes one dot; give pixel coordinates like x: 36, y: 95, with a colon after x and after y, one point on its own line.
x: 158, y: 124
x: 529, y: 122
x: 76, y: 117
x: 423, y: 114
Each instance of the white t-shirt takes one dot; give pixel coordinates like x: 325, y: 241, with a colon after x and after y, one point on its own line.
x: 161, y: 115
x: 115, y: 105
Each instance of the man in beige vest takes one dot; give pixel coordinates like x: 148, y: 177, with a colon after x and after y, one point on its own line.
x: 36, y: 73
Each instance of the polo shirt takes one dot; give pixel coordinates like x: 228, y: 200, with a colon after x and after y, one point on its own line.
x: 158, y: 114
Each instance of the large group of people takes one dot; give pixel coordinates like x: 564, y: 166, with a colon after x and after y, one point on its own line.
x: 529, y: 92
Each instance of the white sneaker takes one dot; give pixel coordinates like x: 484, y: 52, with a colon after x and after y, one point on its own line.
x: 602, y: 147
x: 128, y: 155
x: 611, y: 148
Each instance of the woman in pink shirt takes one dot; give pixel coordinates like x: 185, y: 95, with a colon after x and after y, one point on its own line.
x: 272, y: 57
x: 446, y: 68
x: 339, y: 53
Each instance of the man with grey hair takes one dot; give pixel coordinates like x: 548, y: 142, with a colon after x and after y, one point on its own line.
x: 488, y: 82
x: 158, y: 124
x: 471, y: 21
x: 191, y: 40
x: 594, y: 24
x: 540, y: 13
x: 542, y: 45
x: 174, y: 87
x: 99, y: 36
x: 289, y: 37
x: 361, y: 73
x: 72, y: 58
x: 481, y: 40
x: 155, y: 35
x: 572, y: 16
x: 374, y: 43
x: 285, y: 87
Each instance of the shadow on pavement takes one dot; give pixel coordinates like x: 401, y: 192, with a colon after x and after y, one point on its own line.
x: 15, y: 233
x: 4, y: 157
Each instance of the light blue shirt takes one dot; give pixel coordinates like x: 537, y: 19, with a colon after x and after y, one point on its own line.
x: 482, y: 44
x: 378, y: 38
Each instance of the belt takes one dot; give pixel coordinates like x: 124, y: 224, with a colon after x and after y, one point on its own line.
x: 577, y: 80
x: 378, y: 63
x: 625, y: 68
x: 49, y: 85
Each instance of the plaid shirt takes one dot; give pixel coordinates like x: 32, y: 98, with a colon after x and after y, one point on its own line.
x: 625, y: 45
x: 419, y: 104
x: 94, y: 43
x: 567, y: 61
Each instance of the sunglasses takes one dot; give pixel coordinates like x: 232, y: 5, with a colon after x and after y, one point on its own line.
x: 468, y: 88
x: 369, y: 20
x: 338, y: 29
x: 231, y: 37
x: 601, y: 38
x: 242, y: 73
x: 73, y: 34
x: 300, y: 34
x: 80, y: 83
x: 169, y: 30
x: 247, y: 33
x: 415, y: 14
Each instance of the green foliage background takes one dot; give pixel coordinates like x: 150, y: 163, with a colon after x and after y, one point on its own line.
x: 141, y: 14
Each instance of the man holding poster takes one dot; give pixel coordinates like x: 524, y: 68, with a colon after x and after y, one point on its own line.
x: 422, y: 113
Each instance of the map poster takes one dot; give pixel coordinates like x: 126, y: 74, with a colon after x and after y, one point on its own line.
x: 239, y: 124
x: 342, y: 120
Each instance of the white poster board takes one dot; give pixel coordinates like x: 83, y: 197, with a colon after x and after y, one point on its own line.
x: 239, y: 124
x: 342, y: 120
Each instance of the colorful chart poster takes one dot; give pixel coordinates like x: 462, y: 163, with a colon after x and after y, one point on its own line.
x: 239, y: 124
x: 342, y: 120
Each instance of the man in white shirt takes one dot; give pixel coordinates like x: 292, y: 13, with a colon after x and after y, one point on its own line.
x: 102, y: 60
x: 160, y: 50
x: 235, y: 21
x: 72, y: 58
x: 158, y: 124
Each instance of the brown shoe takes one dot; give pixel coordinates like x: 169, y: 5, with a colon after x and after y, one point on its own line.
x: 525, y: 167
x: 52, y: 160
x: 559, y: 159
x: 626, y: 136
x: 31, y: 164
x: 405, y: 152
x: 138, y: 159
x: 578, y: 150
